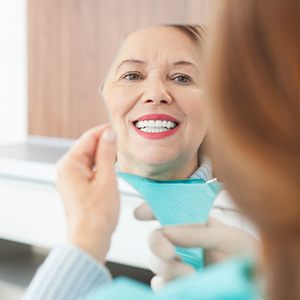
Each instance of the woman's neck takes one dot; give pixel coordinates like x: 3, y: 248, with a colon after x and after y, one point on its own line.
x: 168, y: 171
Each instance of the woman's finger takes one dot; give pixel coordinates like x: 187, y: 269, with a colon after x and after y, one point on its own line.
x: 161, y: 246
x: 144, y: 212
x: 195, y: 235
x: 169, y: 269
x: 84, y: 150
x: 212, y: 236
x: 157, y: 283
x: 106, y: 153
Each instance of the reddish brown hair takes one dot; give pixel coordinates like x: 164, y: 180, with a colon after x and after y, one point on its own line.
x: 253, y: 84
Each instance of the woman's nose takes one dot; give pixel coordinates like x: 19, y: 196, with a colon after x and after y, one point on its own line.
x: 157, y: 94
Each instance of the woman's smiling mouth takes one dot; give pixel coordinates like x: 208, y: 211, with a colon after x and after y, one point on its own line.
x: 156, y: 126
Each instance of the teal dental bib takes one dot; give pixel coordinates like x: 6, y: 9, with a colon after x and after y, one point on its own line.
x: 187, y: 201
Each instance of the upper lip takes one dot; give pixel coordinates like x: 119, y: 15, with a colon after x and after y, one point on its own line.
x: 156, y: 117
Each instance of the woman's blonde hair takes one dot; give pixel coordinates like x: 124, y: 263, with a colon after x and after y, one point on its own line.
x: 195, y: 32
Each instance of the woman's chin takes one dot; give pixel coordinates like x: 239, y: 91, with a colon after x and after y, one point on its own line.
x: 159, y: 160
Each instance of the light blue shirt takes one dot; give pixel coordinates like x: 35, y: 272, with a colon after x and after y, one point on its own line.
x: 67, y: 273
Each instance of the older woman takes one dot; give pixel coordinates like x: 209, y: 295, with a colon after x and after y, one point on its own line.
x: 154, y: 95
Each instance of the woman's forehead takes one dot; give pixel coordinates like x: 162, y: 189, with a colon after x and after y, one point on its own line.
x: 157, y: 43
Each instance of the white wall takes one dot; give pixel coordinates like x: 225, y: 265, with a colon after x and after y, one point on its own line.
x: 13, y: 73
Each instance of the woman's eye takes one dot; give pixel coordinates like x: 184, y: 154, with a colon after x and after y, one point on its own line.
x: 132, y: 76
x: 182, y: 79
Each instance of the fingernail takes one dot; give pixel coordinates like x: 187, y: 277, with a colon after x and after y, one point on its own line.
x: 109, y: 135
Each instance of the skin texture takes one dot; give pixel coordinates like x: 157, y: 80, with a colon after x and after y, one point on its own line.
x: 157, y: 70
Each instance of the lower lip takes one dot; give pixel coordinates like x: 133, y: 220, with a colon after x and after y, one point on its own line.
x: 156, y: 135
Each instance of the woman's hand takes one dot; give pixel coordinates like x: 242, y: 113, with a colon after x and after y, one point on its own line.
x: 87, y: 183
x: 219, y: 241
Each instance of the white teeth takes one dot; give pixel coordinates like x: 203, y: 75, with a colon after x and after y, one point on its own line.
x: 153, y: 129
x: 158, y: 123
x: 152, y: 124
x: 139, y: 124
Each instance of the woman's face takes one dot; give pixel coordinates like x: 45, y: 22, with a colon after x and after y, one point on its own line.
x: 153, y: 93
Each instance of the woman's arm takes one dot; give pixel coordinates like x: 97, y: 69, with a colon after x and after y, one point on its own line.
x: 88, y: 187
x: 67, y: 273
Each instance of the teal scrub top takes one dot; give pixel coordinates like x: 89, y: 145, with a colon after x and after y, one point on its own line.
x: 231, y: 280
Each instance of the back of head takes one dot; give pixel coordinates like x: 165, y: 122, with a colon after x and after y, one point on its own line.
x: 253, y: 83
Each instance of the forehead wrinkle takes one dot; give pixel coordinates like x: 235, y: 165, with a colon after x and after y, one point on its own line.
x: 130, y: 62
x: 184, y: 63
x: 158, y: 59
x: 162, y: 42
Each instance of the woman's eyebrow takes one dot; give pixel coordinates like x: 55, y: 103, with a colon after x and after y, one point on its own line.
x: 130, y: 62
x: 184, y: 63
x: 141, y: 62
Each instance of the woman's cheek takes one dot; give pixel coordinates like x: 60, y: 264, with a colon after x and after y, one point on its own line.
x: 114, y: 105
